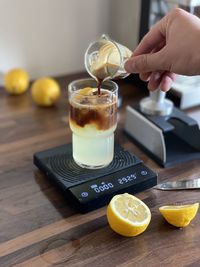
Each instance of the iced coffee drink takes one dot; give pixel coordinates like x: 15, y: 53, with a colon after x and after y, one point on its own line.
x: 93, y: 120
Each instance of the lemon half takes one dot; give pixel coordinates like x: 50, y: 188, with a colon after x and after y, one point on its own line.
x: 128, y: 215
x: 179, y: 216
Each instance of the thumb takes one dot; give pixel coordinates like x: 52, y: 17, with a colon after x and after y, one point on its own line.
x: 144, y: 63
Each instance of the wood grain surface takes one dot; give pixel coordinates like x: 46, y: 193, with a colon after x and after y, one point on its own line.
x: 39, y: 228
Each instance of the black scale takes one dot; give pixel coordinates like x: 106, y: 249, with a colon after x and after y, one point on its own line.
x: 90, y: 189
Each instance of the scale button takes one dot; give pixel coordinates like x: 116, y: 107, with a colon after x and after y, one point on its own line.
x: 143, y: 173
x: 84, y: 194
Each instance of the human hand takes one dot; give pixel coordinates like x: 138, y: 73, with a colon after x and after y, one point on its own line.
x: 171, y: 46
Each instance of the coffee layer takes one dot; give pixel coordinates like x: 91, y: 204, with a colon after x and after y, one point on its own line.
x: 93, y: 109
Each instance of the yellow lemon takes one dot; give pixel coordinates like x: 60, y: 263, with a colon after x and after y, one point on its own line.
x: 16, y: 81
x: 45, y: 91
x: 179, y: 216
x: 128, y: 215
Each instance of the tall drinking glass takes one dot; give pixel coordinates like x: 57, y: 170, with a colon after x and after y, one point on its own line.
x: 93, y: 120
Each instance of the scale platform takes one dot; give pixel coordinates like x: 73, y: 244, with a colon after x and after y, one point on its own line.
x: 89, y: 189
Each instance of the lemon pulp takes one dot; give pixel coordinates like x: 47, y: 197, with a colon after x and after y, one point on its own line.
x: 179, y: 215
x: 128, y: 215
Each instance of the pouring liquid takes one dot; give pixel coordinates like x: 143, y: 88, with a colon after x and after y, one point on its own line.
x: 104, y: 60
x: 99, y: 84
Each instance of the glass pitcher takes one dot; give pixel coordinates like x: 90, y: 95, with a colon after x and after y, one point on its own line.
x: 105, y: 58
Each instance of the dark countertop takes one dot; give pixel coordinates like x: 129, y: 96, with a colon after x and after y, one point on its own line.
x: 37, y: 225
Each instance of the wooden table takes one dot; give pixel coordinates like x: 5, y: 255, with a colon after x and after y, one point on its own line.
x: 39, y: 228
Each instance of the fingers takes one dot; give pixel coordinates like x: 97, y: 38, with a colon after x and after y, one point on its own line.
x: 145, y: 76
x: 162, y: 80
x: 151, y: 40
x: 154, y: 80
x: 167, y: 81
x: 145, y: 63
x: 146, y: 56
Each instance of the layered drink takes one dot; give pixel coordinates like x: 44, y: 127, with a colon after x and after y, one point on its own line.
x: 93, y: 120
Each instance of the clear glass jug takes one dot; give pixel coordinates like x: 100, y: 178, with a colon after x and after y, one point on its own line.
x: 105, y: 58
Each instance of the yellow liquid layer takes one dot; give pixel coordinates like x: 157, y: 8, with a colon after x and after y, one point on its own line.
x: 93, y: 147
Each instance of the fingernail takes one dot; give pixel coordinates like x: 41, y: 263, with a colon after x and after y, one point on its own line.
x: 150, y: 87
x: 156, y: 76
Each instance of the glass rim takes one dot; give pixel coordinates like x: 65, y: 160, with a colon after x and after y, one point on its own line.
x: 114, y: 84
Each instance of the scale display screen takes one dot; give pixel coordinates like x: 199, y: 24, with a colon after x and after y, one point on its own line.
x: 110, y: 185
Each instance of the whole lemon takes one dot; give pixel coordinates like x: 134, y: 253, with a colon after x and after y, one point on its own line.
x: 16, y: 81
x: 45, y: 92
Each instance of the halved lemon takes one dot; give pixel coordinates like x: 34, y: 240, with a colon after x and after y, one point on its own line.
x: 128, y: 215
x: 179, y: 216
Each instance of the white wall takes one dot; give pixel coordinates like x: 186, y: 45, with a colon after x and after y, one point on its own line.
x: 125, y: 18
x: 49, y: 37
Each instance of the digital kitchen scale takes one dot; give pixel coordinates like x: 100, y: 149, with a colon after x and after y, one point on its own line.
x: 90, y: 189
